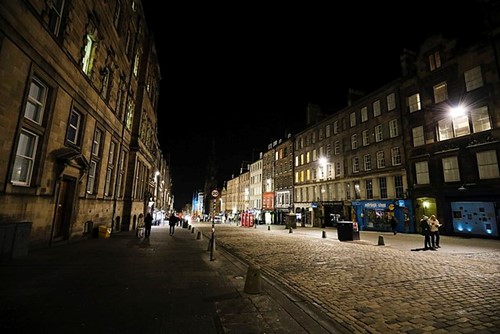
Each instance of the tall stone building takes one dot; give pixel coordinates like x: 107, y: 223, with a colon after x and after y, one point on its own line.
x: 80, y: 87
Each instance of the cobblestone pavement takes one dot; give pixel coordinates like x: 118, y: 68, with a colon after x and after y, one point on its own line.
x: 369, y: 288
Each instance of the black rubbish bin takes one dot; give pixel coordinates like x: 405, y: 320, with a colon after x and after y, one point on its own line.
x: 347, y: 231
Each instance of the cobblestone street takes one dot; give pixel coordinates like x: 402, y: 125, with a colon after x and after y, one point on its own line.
x: 378, y: 289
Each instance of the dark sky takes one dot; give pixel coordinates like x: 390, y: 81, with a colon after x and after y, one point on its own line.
x: 242, y: 74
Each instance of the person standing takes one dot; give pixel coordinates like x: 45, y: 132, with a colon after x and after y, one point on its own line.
x: 148, y: 222
x: 394, y: 224
x: 172, y: 221
x: 434, y: 230
x: 425, y: 227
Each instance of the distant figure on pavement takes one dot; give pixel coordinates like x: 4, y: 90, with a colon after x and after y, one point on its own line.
x: 394, y: 224
x: 172, y: 221
x: 148, y: 222
x: 434, y: 229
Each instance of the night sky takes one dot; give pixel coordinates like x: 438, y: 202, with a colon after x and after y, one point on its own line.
x: 241, y: 75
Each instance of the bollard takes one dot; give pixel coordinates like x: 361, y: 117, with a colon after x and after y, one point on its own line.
x: 252, y: 282
x: 198, y: 236
x: 189, y: 227
x: 255, y: 225
x: 291, y: 230
x: 381, y: 240
x: 324, y: 234
x: 192, y: 230
x: 269, y: 228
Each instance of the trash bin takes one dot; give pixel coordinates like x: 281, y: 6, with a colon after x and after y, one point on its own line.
x: 291, y: 221
x: 347, y: 231
x: 104, y: 232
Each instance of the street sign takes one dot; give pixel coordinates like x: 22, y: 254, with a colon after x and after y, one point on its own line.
x: 215, y: 193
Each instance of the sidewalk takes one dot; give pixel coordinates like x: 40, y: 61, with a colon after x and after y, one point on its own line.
x: 164, y: 284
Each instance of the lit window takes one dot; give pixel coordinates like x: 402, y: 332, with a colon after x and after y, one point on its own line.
x: 422, y: 172
x: 353, y: 119
x: 418, y: 136
x: 393, y: 128
x: 391, y: 102
x: 364, y: 114
x: 487, y: 165
x: 450, y: 169
x: 25, y: 158
x: 473, y: 78
x: 414, y: 103
x: 440, y: 92
x: 480, y: 119
x: 435, y: 61
x: 376, y: 108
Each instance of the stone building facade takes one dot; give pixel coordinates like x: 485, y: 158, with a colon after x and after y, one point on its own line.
x: 80, y: 87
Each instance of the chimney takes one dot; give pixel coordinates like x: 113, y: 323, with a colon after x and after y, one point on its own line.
x: 353, y: 95
x: 408, y: 59
x: 313, y: 114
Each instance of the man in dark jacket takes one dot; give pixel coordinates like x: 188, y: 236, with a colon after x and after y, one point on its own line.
x: 172, y: 221
x: 426, y: 232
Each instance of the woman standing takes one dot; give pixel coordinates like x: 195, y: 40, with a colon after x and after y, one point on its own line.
x: 434, y: 228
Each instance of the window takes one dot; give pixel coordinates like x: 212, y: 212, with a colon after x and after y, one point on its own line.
x: 352, y: 119
x: 393, y: 128
x: 91, y: 177
x: 89, y: 49
x: 337, y: 147
x: 364, y: 114
x: 328, y: 130
x: 357, y: 190
x: 366, y: 138
x: 434, y: 61
x: 296, y: 160
x: 487, y: 165
x: 74, y: 127
x: 308, y: 157
x: 355, y: 165
x: 450, y: 169
x: 382, y: 184
x: 378, y: 133
x: 480, y: 119
x: 137, y: 60
x: 117, y: 13
x: 56, y: 8
x: 396, y: 156
x: 391, y: 102
x: 440, y: 92
x: 338, y: 169
x: 335, y: 127
x: 130, y: 115
x: 376, y: 108
x: 369, y: 189
x: 418, y: 136
x: 398, y: 186
x: 96, y: 144
x: 473, y: 78
x: 461, y: 126
x: 445, y: 130
x: 37, y: 98
x: 380, y: 159
x: 121, y: 174
x: 422, y: 172
x: 320, y: 135
x: 368, y: 162
x: 25, y: 158
x: 354, y: 141
x: 414, y: 103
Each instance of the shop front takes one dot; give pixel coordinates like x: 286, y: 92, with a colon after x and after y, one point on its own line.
x: 375, y: 215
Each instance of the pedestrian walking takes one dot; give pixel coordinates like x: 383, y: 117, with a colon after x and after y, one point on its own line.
x: 434, y: 230
x: 148, y: 222
x: 394, y: 224
x: 426, y: 232
x: 172, y: 221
